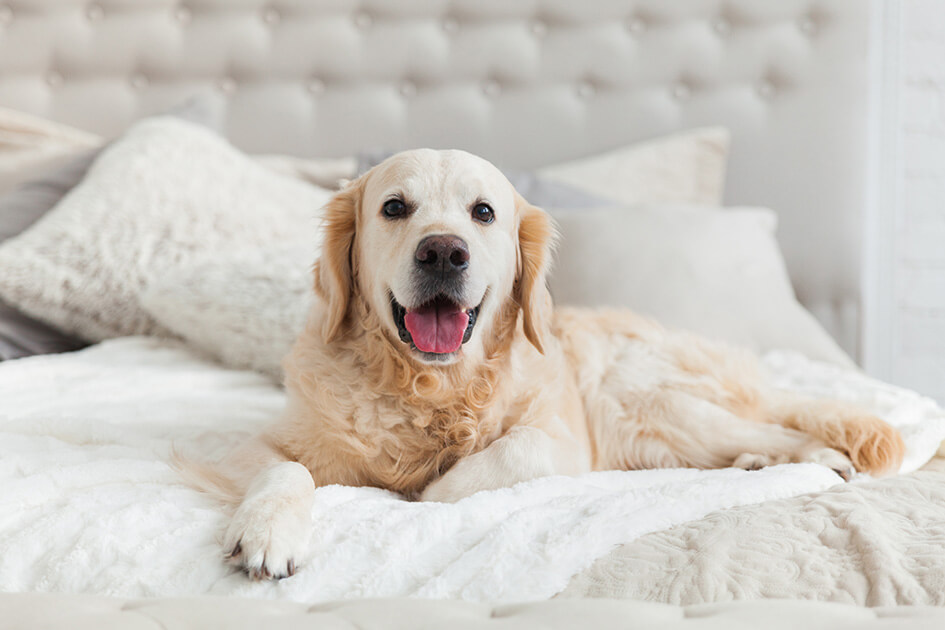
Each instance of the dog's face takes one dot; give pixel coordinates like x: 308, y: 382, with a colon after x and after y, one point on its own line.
x: 437, y: 243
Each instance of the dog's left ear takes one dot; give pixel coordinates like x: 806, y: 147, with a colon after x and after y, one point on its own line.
x: 536, y: 240
x: 334, y: 272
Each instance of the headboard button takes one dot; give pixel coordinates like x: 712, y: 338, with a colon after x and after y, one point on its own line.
x: 94, y: 12
x: 766, y: 89
x: 636, y: 25
x: 681, y: 91
x: 183, y: 15
x: 491, y: 88
x: 315, y: 86
x: 139, y: 81
x: 408, y: 89
x: 227, y: 85
x: 6, y: 15
x: 54, y: 79
x: 539, y: 28
x: 721, y: 26
x: 271, y: 17
x: 808, y: 25
x: 450, y: 24
x: 585, y: 89
x: 363, y: 20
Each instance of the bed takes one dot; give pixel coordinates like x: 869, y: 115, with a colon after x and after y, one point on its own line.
x: 685, y: 117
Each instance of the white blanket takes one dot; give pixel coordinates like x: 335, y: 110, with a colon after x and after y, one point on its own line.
x: 88, y: 502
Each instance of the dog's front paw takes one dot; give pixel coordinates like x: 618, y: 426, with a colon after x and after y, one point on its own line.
x: 270, y: 530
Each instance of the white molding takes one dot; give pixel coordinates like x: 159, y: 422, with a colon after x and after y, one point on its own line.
x: 878, y: 333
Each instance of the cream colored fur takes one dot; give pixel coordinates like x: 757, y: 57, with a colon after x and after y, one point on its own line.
x: 533, y: 392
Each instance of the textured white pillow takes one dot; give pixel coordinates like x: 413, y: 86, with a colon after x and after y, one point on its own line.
x: 717, y: 272
x: 244, y: 310
x: 166, y: 193
x: 686, y: 167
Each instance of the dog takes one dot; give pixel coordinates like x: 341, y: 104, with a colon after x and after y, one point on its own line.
x: 434, y: 364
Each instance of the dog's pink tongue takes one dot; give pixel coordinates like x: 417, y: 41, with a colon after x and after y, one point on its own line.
x: 437, y: 327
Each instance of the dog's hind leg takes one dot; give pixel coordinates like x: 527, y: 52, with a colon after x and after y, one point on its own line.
x: 872, y: 445
x: 671, y: 428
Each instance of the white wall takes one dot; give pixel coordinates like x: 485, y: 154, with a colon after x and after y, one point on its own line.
x: 914, y: 350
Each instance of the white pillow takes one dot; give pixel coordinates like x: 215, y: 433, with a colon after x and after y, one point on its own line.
x: 687, y: 167
x: 244, y: 310
x: 717, y: 272
x: 165, y: 194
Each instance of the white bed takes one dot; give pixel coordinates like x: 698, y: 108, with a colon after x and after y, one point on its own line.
x: 90, y: 504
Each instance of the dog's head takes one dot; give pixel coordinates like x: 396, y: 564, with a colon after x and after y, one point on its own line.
x: 439, y: 247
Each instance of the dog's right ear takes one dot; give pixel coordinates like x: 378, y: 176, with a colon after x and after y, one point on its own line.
x: 334, y: 270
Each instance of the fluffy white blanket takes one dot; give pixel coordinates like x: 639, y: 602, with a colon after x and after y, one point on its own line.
x: 89, y: 503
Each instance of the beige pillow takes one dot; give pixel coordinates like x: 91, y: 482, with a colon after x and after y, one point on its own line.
x: 717, y: 272
x: 687, y: 167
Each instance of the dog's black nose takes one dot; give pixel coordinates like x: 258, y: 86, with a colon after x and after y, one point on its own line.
x: 442, y: 254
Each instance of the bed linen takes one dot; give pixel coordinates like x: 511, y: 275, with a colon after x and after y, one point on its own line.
x: 91, y: 504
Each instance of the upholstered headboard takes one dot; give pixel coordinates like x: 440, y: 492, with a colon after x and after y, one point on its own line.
x: 524, y: 83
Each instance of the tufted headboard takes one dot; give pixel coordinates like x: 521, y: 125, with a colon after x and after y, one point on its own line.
x: 523, y: 83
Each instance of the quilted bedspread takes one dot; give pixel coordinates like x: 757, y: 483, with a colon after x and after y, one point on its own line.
x: 90, y: 504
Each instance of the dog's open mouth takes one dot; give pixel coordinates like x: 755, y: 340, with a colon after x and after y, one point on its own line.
x: 439, y: 326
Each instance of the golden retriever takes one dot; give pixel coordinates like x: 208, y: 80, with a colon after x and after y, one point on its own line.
x: 434, y: 365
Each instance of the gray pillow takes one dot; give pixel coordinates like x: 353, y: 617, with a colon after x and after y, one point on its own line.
x: 21, y: 335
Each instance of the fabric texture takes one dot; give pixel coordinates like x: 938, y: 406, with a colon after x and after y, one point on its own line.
x: 166, y: 192
x: 686, y: 167
x: 879, y: 543
x: 92, y: 505
x: 30, y: 145
x: 716, y: 272
x: 245, y: 310
x: 21, y: 335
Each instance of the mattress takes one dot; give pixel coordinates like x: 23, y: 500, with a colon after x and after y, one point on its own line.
x: 91, y: 504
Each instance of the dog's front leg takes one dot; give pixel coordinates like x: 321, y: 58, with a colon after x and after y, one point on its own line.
x: 271, y: 526
x: 523, y: 453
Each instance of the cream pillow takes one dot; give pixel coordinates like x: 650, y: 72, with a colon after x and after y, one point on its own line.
x: 687, y: 167
x: 245, y: 310
x: 166, y: 193
x: 717, y: 272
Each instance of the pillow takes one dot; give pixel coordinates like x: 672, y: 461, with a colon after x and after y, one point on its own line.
x: 21, y: 335
x: 717, y: 272
x: 165, y: 193
x: 260, y: 298
x: 687, y: 167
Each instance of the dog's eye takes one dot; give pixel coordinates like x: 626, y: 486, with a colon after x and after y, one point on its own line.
x: 483, y: 213
x: 394, y: 209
